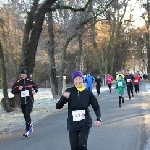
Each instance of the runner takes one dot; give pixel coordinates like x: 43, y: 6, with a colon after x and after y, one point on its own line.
x: 137, y: 79
x: 98, y: 84
x: 120, y: 86
x: 79, y: 120
x: 129, y: 78
x: 25, y: 88
x: 120, y: 73
x: 89, y: 80
x: 109, y: 80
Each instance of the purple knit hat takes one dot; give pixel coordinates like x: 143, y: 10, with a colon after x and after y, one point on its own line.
x: 77, y: 74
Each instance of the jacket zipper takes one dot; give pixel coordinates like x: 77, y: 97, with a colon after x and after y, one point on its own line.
x: 25, y: 90
x: 78, y: 95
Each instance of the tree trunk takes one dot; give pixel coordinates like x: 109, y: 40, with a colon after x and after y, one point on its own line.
x: 62, y: 64
x: 4, y: 81
x: 32, y: 31
x: 80, y: 51
x: 98, y: 57
x: 148, y: 40
x: 54, y: 83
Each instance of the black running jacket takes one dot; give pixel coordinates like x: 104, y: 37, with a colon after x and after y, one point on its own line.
x: 79, y: 101
x: 25, y: 94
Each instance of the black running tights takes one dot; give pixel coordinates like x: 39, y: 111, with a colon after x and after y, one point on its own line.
x: 129, y: 90
x: 26, y: 110
x: 78, y: 139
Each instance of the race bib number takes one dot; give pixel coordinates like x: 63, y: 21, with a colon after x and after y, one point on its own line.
x: 128, y: 80
x: 135, y: 80
x: 25, y: 93
x: 119, y: 83
x: 78, y: 115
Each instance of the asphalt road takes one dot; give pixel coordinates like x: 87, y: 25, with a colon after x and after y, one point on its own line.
x: 121, y: 129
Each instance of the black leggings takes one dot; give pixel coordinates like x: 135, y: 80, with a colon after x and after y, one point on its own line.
x: 109, y: 86
x: 78, y: 139
x: 136, y: 86
x: 26, y: 110
x: 98, y: 89
x: 130, y: 90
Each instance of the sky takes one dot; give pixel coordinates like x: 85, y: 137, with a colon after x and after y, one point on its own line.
x: 136, y: 12
x: 133, y: 5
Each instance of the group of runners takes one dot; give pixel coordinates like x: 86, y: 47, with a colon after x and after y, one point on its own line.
x: 79, y: 97
x: 124, y: 80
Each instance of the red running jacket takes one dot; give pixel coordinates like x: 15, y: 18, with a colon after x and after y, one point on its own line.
x: 137, y: 79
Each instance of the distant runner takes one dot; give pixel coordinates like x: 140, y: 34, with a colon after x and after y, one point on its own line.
x: 25, y: 88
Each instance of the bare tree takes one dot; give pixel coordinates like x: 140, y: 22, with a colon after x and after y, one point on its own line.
x: 3, y: 72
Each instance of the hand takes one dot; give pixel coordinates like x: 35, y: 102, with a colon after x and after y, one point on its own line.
x: 33, y: 92
x: 20, y: 88
x: 66, y: 94
x: 97, y: 123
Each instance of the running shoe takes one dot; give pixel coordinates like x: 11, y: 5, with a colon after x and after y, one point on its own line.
x: 31, y: 128
x: 26, y: 133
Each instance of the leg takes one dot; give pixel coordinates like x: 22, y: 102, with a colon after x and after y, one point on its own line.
x: 74, y: 138
x: 131, y: 88
x: 90, y: 88
x: 28, y: 110
x: 122, y: 98
x: 128, y: 91
x: 23, y: 110
x: 119, y: 101
x: 110, y: 88
x: 137, y: 87
x: 83, y: 139
x: 109, y: 85
x: 98, y: 90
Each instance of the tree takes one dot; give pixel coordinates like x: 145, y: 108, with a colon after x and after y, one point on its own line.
x: 146, y: 17
x: 5, y: 89
x: 54, y: 83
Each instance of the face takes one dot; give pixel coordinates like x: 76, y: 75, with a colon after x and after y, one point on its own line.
x: 120, y: 78
x: 23, y: 76
x: 78, y: 82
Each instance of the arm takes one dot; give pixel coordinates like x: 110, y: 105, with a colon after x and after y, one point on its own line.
x: 116, y: 84
x: 61, y: 102
x: 139, y: 79
x: 93, y: 79
x: 101, y: 81
x: 63, y: 99
x: 133, y: 78
x: 15, y: 89
x: 124, y: 84
x: 125, y: 78
x: 85, y: 80
x: 95, y: 106
x: 35, y: 87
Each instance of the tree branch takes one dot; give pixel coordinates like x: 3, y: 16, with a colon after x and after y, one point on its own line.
x: 58, y: 6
